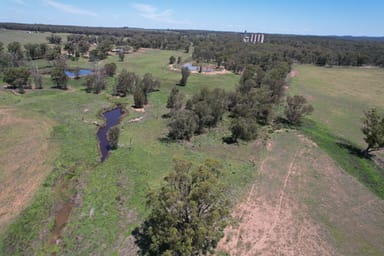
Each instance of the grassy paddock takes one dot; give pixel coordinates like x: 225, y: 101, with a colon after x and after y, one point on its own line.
x: 348, y: 156
x: 340, y: 95
x: 25, y: 37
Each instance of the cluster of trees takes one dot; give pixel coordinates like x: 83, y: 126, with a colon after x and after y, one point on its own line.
x: 54, y: 39
x: 20, y: 78
x: 35, y: 51
x: 227, y: 49
x: 130, y: 83
x: 16, y: 54
x: 101, y: 51
x: 95, y: 82
x: 77, y: 45
x: 204, y: 110
x: 188, y: 213
x: 250, y: 106
x: 17, y: 78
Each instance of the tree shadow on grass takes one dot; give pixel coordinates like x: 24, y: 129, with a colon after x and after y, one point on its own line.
x: 141, y: 240
x: 166, y: 140
x: 229, y: 140
x: 166, y: 116
x: 353, y: 150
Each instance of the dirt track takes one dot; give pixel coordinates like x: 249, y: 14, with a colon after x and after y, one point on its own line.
x: 23, y: 161
x: 303, y: 204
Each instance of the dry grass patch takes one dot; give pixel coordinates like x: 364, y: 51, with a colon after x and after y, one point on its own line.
x: 25, y: 160
x: 303, y: 204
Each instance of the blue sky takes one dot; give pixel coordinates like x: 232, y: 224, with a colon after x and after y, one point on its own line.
x: 321, y: 17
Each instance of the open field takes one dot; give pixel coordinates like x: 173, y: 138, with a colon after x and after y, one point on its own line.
x: 340, y: 96
x: 24, y: 37
x: 26, y: 158
x: 302, y: 203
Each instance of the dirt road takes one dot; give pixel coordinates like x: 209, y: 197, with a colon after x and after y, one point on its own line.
x: 304, y: 204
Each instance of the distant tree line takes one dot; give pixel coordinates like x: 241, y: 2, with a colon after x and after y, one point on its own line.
x: 229, y: 51
x: 227, y: 48
x: 159, y: 39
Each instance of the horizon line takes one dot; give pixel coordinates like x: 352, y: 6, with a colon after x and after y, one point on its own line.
x: 194, y: 29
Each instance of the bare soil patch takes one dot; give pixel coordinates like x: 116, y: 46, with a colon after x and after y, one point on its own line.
x: 214, y: 71
x: 293, y: 73
x: 25, y: 160
x: 304, y: 204
x: 140, y: 51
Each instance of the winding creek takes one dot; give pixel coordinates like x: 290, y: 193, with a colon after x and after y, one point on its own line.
x: 112, y: 118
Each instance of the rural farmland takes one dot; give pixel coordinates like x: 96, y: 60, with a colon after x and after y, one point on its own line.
x: 141, y: 141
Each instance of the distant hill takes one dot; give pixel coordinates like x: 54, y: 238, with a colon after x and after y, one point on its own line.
x: 362, y: 38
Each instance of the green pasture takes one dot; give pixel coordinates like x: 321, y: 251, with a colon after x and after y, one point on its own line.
x: 25, y: 37
x: 113, y: 193
x: 340, y: 95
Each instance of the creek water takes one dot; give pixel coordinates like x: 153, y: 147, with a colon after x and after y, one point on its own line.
x: 197, y: 68
x: 82, y: 72
x: 112, y: 118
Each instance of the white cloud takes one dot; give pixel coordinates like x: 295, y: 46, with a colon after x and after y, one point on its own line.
x: 69, y: 8
x: 152, y: 13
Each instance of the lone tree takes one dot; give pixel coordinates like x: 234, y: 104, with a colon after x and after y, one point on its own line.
x: 183, y: 125
x: 138, y: 98
x: 175, y: 100
x: 121, y: 55
x: 59, y: 77
x: 113, y: 137
x: 20, y: 85
x: 38, y: 80
x: 110, y: 69
x: 126, y: 82
x: 95, y: 82
x: 185, y: 72
x: 188, y: 213
x: 148, y: 84
x: 243, y: 128
x: 172, y: 59
x: 373, y: 130
x: 14, y: 48
x: 16, y: 76
x: 296, y: 108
